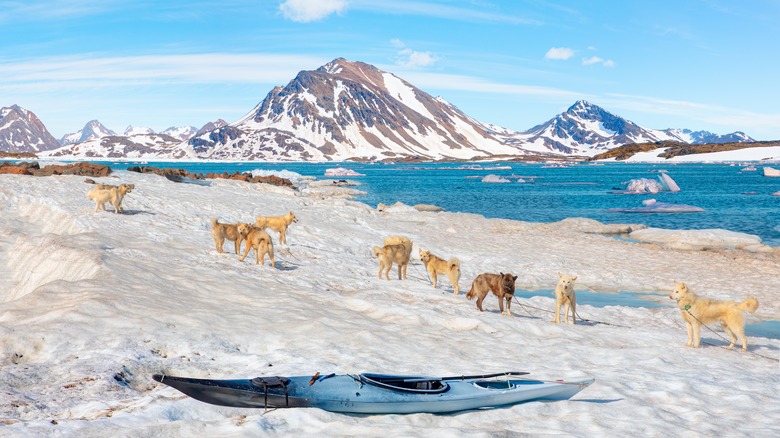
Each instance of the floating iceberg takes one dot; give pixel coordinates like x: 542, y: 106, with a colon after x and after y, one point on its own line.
x: 668, y: 183
x: 770, y: 171
x: 342, y: 171
x: 653, y: 206
x: 494, y: 179
x: 665, y: 183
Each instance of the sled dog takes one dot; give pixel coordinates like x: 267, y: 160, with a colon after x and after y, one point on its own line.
x: 696, y: 310
x: 277, y: 223
x: 258, y: 239
x: 564, y: 296
x: 389, y: 254
x: 111, y: 194
x: 220, y: 232
x: 435, y: 265
x: 502, y: 285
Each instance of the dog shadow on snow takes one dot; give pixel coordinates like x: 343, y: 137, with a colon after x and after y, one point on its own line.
x: 135, y: 212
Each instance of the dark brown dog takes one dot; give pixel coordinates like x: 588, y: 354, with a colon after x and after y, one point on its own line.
x: 502, y: 285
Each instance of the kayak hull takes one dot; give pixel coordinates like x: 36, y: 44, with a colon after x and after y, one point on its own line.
x: 351, y: 394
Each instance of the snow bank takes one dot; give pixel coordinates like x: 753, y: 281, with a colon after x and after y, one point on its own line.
x: 700, y: 239
x: 109, y: 299
x: 341, y: 171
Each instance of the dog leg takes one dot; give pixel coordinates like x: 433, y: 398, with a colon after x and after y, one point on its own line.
x: 246, y: 252
x: 238, y: 245
x: 696, y: 335
x: 405, y: 265
x: 381, y: 267
x: 557, y: 317
x: 573, y: 312
x: 271, y: 255
x: 509, y: 305
x: 729, y: 332
x: 479, y: 301
x: 689, y: 329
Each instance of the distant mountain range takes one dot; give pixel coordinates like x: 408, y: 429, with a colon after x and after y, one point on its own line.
x: 348, y: 110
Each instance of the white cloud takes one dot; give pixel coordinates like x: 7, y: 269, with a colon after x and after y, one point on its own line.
x: 596, y: 60
x: 412, y: 58
x: 305, y: 11
x: 592, y: 60
x: 559, y: 53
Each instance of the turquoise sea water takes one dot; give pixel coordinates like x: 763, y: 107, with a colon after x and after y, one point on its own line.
x: 732, y: 199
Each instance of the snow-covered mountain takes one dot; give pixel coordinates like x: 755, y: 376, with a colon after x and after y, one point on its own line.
x: 91, y: 131
x: 210, y: 126
x: 346, y: 110
x: 181, y: 133
x: 705, y: 137
x: 115, y: 146
x: 135, y: 130
x: 352, y: 110
x: 22, y: 131
x: 588, y: 129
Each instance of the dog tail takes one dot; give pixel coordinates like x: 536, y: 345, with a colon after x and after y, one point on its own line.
x: 377, y: 250
x: 213, y: 222
x: 454, y: 264
x: 261, y: 222
x: 471, y: 294
x: 750, y: 304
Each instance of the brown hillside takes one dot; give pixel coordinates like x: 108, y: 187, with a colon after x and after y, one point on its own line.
x: 675, y: 148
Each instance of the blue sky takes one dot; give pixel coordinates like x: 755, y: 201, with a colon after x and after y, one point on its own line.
x: 698, y: 64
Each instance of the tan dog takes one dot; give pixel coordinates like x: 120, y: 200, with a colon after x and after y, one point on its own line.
x: 435, y: 265
x: 502, y: 285
x: 220, y: 232
x: 401, y: 240
x: 277, y: 223
x: 389, y: 254
x: 696, y: 310
x: 565, y: 296
x: 112, y: 194
x: 258, y: 239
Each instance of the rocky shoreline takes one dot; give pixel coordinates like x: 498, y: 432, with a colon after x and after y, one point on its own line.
x: 97, y: 170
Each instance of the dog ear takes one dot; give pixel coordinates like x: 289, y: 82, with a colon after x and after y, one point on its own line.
x: 573, y: 279
x: 515, y: 277
x: 559, y: 275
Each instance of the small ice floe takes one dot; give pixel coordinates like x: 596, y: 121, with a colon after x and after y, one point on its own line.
x: 750, y: 168
x: 342, y: 171
x: 494, y: 179
x: 776, y: 193
x: 771, y: 171
x: 700, y: 239
x: 640, y: 186
x: 653, y: 206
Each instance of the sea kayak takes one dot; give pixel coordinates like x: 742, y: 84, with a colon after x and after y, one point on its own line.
x: 376, y: 393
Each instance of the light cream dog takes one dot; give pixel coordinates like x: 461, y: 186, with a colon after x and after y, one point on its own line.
x: 502, y: 285
x: 220, y: 232
x: 389, y: 254
x: 277, y: 223
x: 565, y: 296
x: 401, y: 240
x: 103, y: 193
x: 260, y: 241
x: 696, y: 310
x: 435, y: 265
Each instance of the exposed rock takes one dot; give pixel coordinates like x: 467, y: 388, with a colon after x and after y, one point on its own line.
x: 176, y: 175
x: 82, y: 169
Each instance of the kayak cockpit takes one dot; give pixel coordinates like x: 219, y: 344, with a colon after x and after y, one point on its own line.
x: 424, y: 385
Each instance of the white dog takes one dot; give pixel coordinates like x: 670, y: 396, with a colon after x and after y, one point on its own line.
x: 564, y: 296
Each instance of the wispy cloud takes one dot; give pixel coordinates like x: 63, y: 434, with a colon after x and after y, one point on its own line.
x: 305, y: 11
x: 559, y: 53
x: 53, y: 9
x: 737, y: 119
x: 194, y: 68
x: 412, y: 58
x: 597, y: 60
x: 444, y: 11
